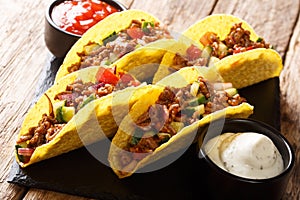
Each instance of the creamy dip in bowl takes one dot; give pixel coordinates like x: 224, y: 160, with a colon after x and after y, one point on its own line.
x: 245, y: 159
x: 247, y: 154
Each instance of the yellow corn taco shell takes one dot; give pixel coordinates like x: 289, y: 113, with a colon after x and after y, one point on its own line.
x: 107, y: 111
x: 248, y: 68
x: 165, y: 67
x: 113, y: 23
x: 180, y: 140
x: 79, y: 130
x: 241, y: 69
x: 217, y: 23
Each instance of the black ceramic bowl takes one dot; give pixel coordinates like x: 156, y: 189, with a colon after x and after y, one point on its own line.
x: 59, y: 41
x: 223, y: 185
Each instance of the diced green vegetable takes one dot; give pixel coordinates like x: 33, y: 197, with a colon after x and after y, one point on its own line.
x: 145, y: 26
x: 200, y: 109
x: 110, y: 38
x: 22, y: 145
x: 188, y: 111
x: 201, y: 99
x: 112, y: 58
x: 206, y: 52
x: 177, y: 126
x: 67, y: 113
x: 106, y: 63
x: 58, y: 110
x: 90, y: 47
x: 134, y: 140
x: 231, y: 91
x: 136, y: 137
x: 194, y: 88
x: 148, y: 134
x: 164, y: 137
x: 259, y: 39
x: 194, y: 102
x: 90, y: 98
x: 59, y: 104
x: 223, y: 50
x: 64, y: 114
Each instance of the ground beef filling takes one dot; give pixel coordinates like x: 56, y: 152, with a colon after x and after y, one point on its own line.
x: 180, y: 61
x: 174, y: 106
x: 237, y: 41
x: 75, y: 96
x: 119, y: 45
x: 46, y: 130
x: 77, y: 92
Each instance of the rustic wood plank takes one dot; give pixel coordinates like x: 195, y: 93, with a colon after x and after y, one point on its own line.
x: 273, y: 20
x: 18, y: 61
x: 177, y: 14
x: 127, y: 3
x: 290, y: 108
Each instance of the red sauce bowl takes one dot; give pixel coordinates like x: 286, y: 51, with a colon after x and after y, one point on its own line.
x: 77, y: 17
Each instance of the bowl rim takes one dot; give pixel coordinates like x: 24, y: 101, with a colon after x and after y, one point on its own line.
x: 54, y: 3
x: 288, y: 168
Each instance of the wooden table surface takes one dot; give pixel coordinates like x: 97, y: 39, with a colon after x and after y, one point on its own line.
x: 24, y: 55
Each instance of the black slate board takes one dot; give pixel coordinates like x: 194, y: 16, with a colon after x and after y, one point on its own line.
x: 79, y: 173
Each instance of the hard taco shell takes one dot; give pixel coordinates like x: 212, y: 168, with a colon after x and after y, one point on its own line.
x: 114, y: 22
x: 182, y: 139
x: 105, y: 111
x: 241, y: 69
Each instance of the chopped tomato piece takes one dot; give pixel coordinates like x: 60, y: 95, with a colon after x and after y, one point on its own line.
x: 135, y: 33
x: 107, y: 75
x: 193, y: 52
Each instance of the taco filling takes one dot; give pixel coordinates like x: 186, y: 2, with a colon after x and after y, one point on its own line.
x: 77, y: 95
x: 175, y: 109
x: 237, y: 41
x: 116, y: 45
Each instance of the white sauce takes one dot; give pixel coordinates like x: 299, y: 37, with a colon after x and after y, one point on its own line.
x: 249, y: 155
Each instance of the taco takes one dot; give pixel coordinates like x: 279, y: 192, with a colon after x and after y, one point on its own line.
x: 51, y: 127
x: 229, y: 44
x: 168, y: 121
x: 112, y: 38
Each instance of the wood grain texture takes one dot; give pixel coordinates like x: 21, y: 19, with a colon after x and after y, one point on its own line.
x: 177, y: 14
x: 273, y: 20
x: 24, y: 56
x: 22, y: 45
x: 290, y: 107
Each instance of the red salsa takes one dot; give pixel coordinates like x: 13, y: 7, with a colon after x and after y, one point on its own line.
x: 77, y: 16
